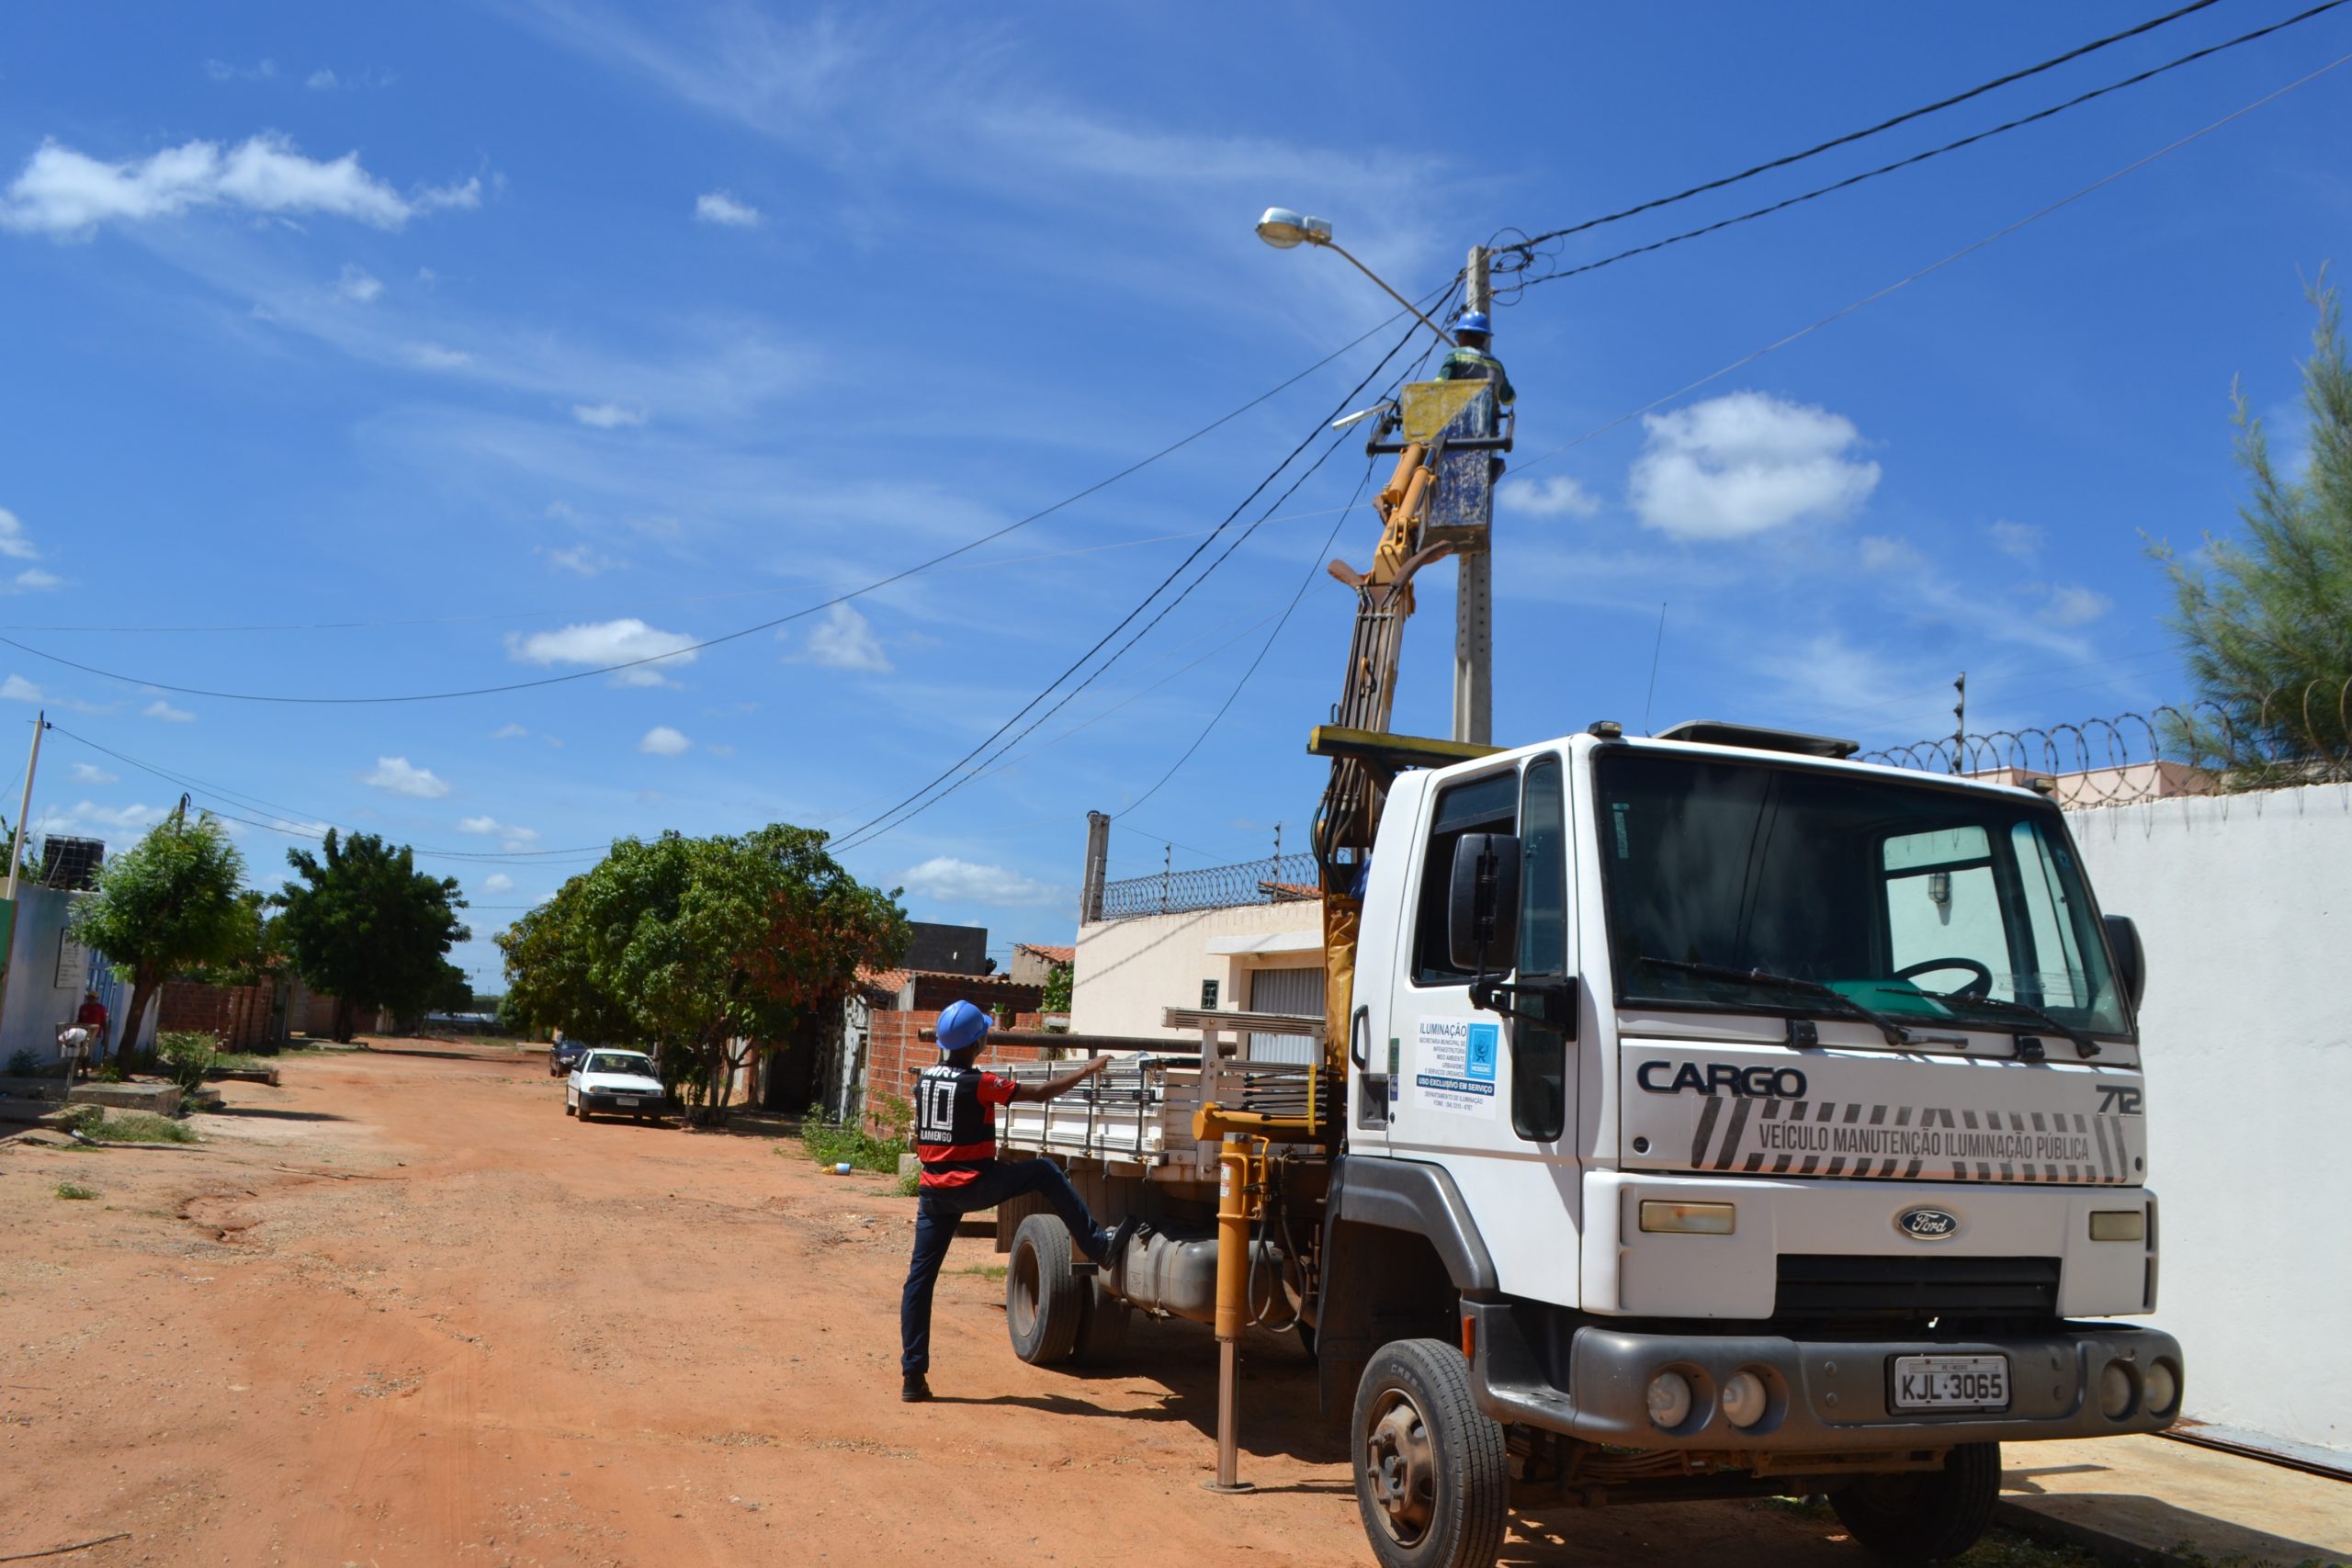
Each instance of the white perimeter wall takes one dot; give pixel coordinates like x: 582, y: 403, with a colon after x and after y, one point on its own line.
x: 2245, y: 906
x: 1127, y: 972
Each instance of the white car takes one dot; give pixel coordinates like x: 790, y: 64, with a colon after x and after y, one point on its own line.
x: 616, y: 1083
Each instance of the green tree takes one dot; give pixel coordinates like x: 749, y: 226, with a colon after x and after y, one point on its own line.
x: 167, y: 903
x: 707, y: 948
x: 2267, y: 620
x: 1059, y: 984
x: 366, y: 927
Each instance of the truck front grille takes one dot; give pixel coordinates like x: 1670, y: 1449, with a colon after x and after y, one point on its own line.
x: 1828, y: 1285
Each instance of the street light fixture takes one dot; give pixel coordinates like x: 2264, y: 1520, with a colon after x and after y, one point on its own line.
x: 1285, y: 229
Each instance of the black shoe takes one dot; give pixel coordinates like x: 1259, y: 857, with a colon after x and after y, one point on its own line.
x: 1129, y: 1228
x: 916, y: 1390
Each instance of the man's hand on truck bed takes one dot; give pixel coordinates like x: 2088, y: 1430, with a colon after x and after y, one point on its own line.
x: 1062, y: 1085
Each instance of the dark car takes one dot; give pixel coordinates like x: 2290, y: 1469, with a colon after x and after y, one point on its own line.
x: 565, y: 1056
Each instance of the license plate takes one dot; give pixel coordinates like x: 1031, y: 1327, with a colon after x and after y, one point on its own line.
x: 624, y: 1099
x: 1951, y: 1383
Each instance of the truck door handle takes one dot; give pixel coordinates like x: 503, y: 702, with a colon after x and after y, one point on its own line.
x: 1359, y: 1038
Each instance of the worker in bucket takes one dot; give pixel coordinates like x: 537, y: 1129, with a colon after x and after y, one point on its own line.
x: 956, y: 1140
x: 1474, y: 331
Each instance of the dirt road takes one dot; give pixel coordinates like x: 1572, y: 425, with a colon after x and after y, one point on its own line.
x: 404, y: 1312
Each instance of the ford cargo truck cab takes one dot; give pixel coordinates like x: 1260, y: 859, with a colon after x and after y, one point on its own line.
x: 1721, y: 1116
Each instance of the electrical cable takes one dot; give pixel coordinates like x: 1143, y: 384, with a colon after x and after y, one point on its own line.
x: 1526, y: 245
x: 1900, y: 164
x: 1935, y: 266
x: 909, y: 808
x: 295, y: 826
x: 769, y: 625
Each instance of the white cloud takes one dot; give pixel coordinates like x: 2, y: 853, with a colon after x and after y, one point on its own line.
x: 509, y: 731
x: 581, y: 560
x: 510, y: 837
x: 1557, y: 496
x: 844, y: 641
x: 2022, y: 540
x: 123, y: 816
x: 498, y: 882
x: 1744, y: 464
x: 12, y: 537
x: 358, y: 284
x: 953, y: 881
x: 160, y: 709
x: 399, y: 776
x: 606, y: 416
x: 663, y: 741
x: 1886, y: 555
x: 64, y: 192
x: 321, y: 81
x: 32, y: 579
x: 17, y: 689
x: 223, y: 71
x: 432, y: 357
x: 718, y: 207
x: 89, y: 774
x: 2069, y: 606
x: 607, y: 642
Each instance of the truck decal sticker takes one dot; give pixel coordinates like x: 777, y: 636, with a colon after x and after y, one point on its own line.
x: 1840, y: 1138
x: 1454, y: 1061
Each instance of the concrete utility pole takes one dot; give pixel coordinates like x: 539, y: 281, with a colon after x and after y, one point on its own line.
x: 24, y: 808
x: 1098, y: 862
x: 1473, y: 606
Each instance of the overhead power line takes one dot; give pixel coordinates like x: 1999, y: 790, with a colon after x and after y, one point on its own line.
x: 914, y: 804
x: 1850, y: 137
x: 769, y: 624
x: 1916, y: 158
x: 1935, y: 266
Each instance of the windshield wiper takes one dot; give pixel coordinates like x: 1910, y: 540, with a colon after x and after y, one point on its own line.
x: 1895, y: 1034
x: 2084, y: 1044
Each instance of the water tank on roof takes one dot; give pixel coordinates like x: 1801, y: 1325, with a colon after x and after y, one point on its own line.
x: 71, y: 864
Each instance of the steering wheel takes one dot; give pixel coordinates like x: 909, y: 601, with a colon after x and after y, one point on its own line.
x: 1979, y: 985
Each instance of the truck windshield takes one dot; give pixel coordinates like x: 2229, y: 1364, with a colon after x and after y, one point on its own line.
x: 1918, y: 901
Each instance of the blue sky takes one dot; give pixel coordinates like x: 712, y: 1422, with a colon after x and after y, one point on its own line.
x: 463, y: 345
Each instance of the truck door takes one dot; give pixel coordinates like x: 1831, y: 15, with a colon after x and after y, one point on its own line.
x: 1488, y: 1096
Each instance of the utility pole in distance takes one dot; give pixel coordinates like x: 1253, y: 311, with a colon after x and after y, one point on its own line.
x: 1473, y: 604
x: 24, y: 809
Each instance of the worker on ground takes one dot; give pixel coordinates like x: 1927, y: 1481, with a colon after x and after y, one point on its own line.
x: 1469, y: 361
x: 955, y: 1139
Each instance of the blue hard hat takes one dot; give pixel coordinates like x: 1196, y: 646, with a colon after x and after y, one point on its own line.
x: 961, y: 1025
x: 1475, y: 322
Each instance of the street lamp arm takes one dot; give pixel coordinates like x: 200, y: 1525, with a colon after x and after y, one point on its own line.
x: 1329, y: 245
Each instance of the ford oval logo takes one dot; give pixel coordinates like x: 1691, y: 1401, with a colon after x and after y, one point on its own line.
x: 1928, y: 1224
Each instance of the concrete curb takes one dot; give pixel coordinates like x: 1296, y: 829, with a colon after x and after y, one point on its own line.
x: 2035, y: 1525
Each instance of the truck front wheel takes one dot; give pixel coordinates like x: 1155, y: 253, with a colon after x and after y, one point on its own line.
x: 1044, y: 1297
x: 1926, y: 1515
x: 1433, y: 1474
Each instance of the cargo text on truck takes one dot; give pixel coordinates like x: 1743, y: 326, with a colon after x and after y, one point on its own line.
x: 1703, y: 1115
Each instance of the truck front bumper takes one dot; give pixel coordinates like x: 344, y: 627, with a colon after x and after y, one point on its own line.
x: 1560, y: 1371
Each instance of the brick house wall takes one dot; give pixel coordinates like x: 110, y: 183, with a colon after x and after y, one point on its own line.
x: 238, y: 1016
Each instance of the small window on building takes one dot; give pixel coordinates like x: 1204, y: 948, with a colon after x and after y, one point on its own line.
x: 1489, y: 805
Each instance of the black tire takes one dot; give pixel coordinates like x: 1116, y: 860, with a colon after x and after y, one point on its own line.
x: 1927, y: 1516
x: 1433, y: 1474
x: 567, y: 1104
x: 583, y: 1111
x: 1044, y: 1297
x: 1102, y: 1325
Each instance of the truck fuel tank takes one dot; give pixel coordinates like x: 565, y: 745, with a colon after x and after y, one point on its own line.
x: 1175, y: 1276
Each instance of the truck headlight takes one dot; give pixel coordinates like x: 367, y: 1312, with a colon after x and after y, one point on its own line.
x: 2114, y: 1392
x: 2162, y: 1388
x: 1669, y: 1400
x: 1745, y: 1400
x: 2118, y: 1225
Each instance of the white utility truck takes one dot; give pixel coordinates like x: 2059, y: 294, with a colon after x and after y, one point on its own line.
x: 1707, y: 1115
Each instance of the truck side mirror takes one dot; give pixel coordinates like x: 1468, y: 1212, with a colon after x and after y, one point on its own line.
x: 1482, y: 907
x: 2131, y: 958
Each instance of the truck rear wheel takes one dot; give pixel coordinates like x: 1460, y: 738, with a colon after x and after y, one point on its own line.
x: 1433, y: 1474
x: 1044, y: 1297
x: 1927, y: 1516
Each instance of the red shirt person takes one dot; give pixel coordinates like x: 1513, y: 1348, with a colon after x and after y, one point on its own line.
x: 956, y: 1140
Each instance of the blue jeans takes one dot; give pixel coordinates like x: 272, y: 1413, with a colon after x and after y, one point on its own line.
x: 936, y: 1218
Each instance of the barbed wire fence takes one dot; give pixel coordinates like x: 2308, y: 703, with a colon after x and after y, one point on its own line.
x: 2298, y: 735
x: 1272, y: 880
